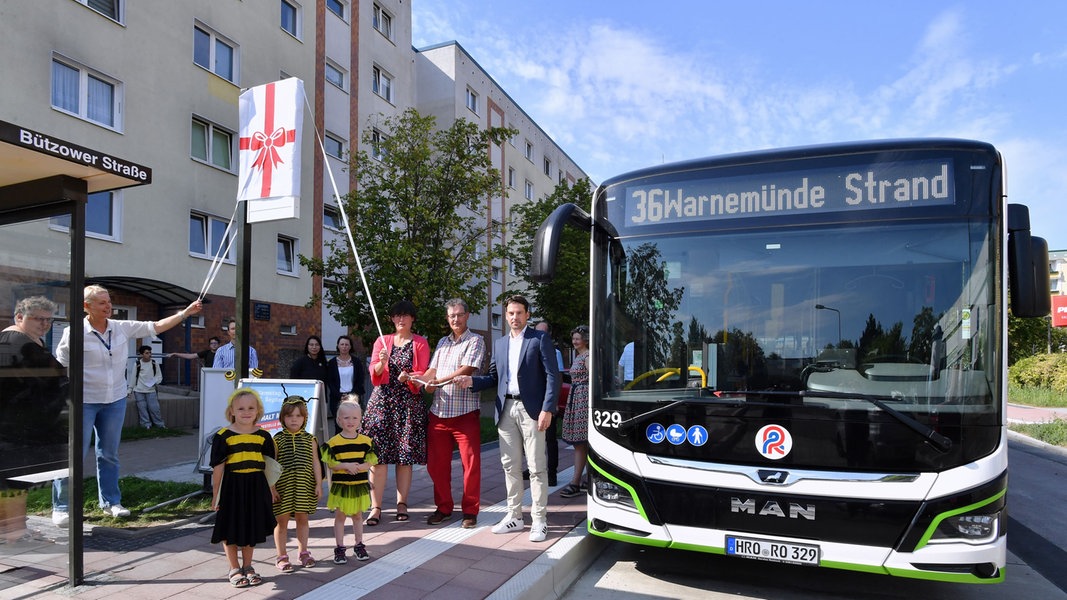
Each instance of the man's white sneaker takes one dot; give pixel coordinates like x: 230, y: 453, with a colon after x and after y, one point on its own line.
x: 538, y: 531
x: 61, y: 518
x: 117, y: 510
x: 508, y: 525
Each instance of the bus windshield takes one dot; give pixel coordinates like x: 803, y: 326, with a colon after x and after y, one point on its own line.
x: 807, y: 315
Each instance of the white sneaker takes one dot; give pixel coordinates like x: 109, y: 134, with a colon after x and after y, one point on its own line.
x: 538, y: 531
x: 117, y: 510
x: 508, y: 525
x: 61, y: 518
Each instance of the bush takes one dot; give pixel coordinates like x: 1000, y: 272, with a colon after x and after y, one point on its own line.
x: 1041, y: 370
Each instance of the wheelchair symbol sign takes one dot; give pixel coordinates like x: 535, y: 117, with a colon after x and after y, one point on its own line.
x: 655, y: 433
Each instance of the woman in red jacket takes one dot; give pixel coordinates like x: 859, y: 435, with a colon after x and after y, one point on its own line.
x: 396, y: 417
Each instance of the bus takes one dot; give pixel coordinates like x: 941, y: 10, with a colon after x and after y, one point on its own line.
x: 799, y: 355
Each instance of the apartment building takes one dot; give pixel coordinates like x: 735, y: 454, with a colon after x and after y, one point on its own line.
x: 157, y: 82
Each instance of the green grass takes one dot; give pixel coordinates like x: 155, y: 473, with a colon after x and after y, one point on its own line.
x: 1034, y: 396
x: 1054, y: 433
x: 140, y: 433
x: 137, y: 495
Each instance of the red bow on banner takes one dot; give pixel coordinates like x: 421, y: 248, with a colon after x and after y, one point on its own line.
x: 266, y: 146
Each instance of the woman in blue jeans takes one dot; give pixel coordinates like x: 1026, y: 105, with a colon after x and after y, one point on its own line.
x: 104, y: 390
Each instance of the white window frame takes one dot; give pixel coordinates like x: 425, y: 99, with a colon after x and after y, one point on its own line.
x: 207, y: 220
x: 287, y: 330
x: 382, y: 21
x: 511, y: 177
x: 214, y: 40
x: 382, y: 83
x: 548, y: 166
x: 119, y: 6
x: 472, y: 101
x: 332, y: 214
x: 341, y: 76
x: 293, y: 245
x: 528, y: 190
x: 93, y: 204
x: 332, y: 142
x: 338, y: 8
x: 86, y: 76
x: 298, y: 18
x: 211, y: 129
x: 497, y: 275
x: 376, y: 139
x: 528, y: 152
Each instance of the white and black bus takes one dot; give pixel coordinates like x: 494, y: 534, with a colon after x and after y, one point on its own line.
x: 799, y: 355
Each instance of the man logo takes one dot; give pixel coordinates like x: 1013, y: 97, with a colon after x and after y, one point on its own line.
x: 779, y: 477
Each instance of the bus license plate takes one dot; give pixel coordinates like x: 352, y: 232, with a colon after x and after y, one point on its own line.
x: 798, y: 554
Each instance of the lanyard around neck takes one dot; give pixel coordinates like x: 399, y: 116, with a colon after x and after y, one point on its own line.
x: 106, y: 344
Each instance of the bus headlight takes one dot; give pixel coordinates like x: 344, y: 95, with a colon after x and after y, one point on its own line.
x: 609, y: 492
x: 968, y: 527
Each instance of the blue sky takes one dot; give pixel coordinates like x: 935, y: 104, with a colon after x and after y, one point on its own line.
x: 625, y: 84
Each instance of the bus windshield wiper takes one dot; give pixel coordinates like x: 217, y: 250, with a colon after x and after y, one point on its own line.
x: 938, y: 440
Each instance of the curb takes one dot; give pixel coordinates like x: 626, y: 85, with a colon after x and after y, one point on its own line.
x: 550, y: 575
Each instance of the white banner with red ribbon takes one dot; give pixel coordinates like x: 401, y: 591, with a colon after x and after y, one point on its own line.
x: 272, y: 119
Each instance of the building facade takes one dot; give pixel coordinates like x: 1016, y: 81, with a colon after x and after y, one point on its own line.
x: 158, y: 82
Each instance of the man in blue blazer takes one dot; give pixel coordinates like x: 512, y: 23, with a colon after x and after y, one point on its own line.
x: 526, y: 377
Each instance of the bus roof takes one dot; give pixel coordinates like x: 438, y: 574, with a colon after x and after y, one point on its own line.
x: 798, y: 152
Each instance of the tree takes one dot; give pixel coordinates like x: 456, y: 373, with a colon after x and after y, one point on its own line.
x: 649, y: 305
x: 564, y: 301
x: 417, y: 218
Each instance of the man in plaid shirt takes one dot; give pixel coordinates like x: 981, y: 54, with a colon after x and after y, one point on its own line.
x: 455, y: 418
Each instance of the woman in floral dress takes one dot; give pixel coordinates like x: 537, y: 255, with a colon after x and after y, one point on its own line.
x: 576, y: 415
x: 396, y: 417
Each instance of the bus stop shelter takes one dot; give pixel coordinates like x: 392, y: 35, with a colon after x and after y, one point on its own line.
x: 45, y: 183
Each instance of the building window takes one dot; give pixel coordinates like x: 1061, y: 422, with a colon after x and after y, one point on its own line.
x: 212, y: 144
x: 335, y: 75
x: 291, y: 18
x: 497, y: 321
x: 472, y: 101
x: 336, y: 7
x: 376, y: 149
x: 214, y: 53
x: 111, y: 9
x: 331, y: 217
x: 383, y: 22
x: 497, y: 278
x: 529, y: 190
x: 382, y: 84
x: 511, y: 177
x: 287, y: 330
x: 287, y: 255
x: 511, y: 140
x: 548, y: 167
x: 102, y: 216
x: 207, y: 237
x: 86, y: 94
x: 334, y: 146
x: 529, y: 150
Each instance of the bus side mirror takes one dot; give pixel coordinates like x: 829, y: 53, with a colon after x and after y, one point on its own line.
x: 1028, y: 281
x: 546, y: 241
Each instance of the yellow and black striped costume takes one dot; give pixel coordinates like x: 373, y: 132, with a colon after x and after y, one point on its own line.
x: 296, y: 486
x: 244, y: 517
x: 349, y: 493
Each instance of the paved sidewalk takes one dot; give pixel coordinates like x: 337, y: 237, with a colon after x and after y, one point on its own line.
x: 408, y: 560
x: 1019, y: 413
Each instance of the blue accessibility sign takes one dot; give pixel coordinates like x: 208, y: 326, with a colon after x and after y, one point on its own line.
x: 676, y: 434
x: 697, y: 435
x: 655, y: 433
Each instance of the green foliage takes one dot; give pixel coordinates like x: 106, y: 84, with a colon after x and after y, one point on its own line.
x: 1036, y: 396
x: 1027, y: 337
x: 563, y: 302
x: 1040, y: 371
x: 417, y: 216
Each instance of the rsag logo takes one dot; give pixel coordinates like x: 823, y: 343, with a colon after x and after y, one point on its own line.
x: 773, y: 441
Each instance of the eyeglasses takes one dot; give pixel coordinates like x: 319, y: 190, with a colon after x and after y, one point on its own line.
x: 41, y: 320
x: 456, y: 316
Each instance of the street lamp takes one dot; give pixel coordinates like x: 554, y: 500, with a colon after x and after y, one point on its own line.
x: 824, y: 307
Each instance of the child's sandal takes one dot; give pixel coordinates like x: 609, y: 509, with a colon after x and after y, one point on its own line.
x: 283, y: 564
x: 253, y: 577
x: 237, y: 578
x: 306, y: 560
